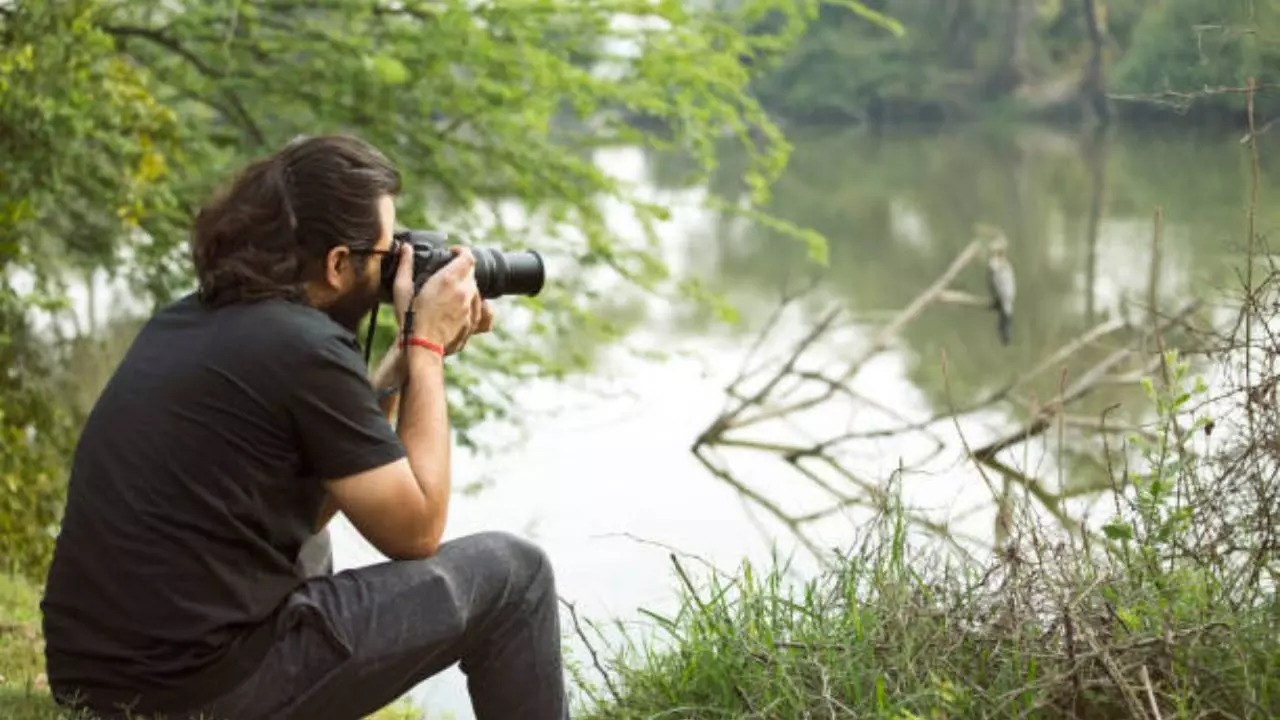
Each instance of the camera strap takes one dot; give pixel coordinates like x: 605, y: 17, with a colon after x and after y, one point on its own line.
x: 368, y: 340
x: 406, y: 333
x: 384, y: 393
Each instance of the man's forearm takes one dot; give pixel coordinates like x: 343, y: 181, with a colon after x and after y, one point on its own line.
x: 389, y: 374
x: 424, y: 430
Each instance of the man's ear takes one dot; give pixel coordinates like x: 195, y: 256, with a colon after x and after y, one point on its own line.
x: 335, y: 263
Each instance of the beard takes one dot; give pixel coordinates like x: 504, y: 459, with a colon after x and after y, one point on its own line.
x: 349, y: 308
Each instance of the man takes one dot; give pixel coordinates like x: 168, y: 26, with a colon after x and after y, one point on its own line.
x: 238, y: 423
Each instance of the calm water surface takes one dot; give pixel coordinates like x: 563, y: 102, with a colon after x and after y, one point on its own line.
x: 602, y: 475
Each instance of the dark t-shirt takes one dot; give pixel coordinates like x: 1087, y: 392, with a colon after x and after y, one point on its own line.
x: 197, y: 478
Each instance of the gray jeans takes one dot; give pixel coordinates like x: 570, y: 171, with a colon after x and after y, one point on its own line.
x: 350, y: 643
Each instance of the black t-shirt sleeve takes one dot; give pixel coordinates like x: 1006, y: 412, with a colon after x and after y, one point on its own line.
x: 335, y: 412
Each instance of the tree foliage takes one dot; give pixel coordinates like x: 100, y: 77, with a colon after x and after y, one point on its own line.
x: 1185, y: 47
x: 956, y: 59
x: 485, y: 107
x: 118, y: 119
x: 84, y: 144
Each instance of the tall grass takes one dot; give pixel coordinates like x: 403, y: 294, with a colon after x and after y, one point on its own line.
x: 1141, y: 620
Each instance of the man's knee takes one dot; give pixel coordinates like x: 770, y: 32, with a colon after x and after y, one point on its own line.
x: 520, y: 561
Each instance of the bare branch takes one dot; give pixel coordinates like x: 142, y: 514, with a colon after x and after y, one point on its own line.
x: 879, y: 343
x: 595, y: 659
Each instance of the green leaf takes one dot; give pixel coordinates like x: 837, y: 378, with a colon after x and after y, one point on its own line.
x: 1117, y: 530
x: 389, y: 70
x: 876, y: 17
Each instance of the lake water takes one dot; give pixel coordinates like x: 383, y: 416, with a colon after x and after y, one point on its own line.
x: 602, y: 475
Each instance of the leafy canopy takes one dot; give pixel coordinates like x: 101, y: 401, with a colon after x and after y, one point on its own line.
x: 117, y: 119
x: 487, y: 108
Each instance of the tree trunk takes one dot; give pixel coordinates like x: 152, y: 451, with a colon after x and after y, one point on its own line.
x: 1013, y: 70
x: 960, y: 32
x: 1095, y: 157
x: 1094, y: 85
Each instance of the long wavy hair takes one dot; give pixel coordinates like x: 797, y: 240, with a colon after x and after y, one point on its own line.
x: 263, y: 235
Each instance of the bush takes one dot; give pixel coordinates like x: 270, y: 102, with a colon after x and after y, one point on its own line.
x: 1185, y: 46
x: 1055, y: 626
x: 36, y: 441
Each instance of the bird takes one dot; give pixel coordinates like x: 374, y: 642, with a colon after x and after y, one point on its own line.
x: 1001, y: 284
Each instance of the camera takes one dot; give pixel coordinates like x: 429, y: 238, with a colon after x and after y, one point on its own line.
x: 498, y: 273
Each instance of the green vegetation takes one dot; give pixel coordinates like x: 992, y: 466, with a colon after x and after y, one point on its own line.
x: 23, y: 692
x: 1150, y: 613
x: 962, y: 59
x: 83, y: 144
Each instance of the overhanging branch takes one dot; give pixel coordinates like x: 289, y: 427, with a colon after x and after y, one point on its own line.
x: 239, y: 113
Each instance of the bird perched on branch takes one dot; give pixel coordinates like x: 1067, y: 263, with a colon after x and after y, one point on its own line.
x: 1000, y: 282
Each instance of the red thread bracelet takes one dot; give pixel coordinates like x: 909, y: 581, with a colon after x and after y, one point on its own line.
x: 423, y: 342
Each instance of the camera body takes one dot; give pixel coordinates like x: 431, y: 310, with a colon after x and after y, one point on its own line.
x: 498, y: 273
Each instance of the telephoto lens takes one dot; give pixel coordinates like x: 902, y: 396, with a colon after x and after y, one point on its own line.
x: 508, y: 273
x: 498, y: 273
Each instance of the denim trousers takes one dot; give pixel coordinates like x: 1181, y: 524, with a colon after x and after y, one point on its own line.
x: 347, y: 644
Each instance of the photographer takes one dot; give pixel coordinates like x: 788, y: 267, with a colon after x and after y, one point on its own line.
x: 238, y: 423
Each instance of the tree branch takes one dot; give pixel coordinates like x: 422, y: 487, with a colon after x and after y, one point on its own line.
x: 881, y: 340
x: 155, y: 37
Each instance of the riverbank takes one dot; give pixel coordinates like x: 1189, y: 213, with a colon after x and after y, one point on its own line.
x: 1045, y: 632
x: 24, y: 693
x: 894, y: 631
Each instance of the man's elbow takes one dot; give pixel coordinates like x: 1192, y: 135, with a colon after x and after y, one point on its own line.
x: 425, y: 547
x: 410, y: 536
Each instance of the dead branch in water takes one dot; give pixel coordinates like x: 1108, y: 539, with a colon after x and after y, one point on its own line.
x: 1077, y: 390
x: 878, y: 344
x: 780, y: 396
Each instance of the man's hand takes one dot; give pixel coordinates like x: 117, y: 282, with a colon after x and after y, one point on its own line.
x: 481, y: 322
x: 402, y: 507
x: 448, y: 309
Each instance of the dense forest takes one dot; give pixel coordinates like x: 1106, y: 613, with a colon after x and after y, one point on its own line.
x: 948, y: 60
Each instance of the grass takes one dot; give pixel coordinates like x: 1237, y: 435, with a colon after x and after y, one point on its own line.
x: 1170, y: 612
x: 894, y: 634
x: 24, y: 694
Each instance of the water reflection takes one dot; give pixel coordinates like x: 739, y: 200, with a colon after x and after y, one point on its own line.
x: 899, y: 208
x: 596, y: 469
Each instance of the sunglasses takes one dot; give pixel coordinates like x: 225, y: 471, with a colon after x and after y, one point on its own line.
x: 397, y: 240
